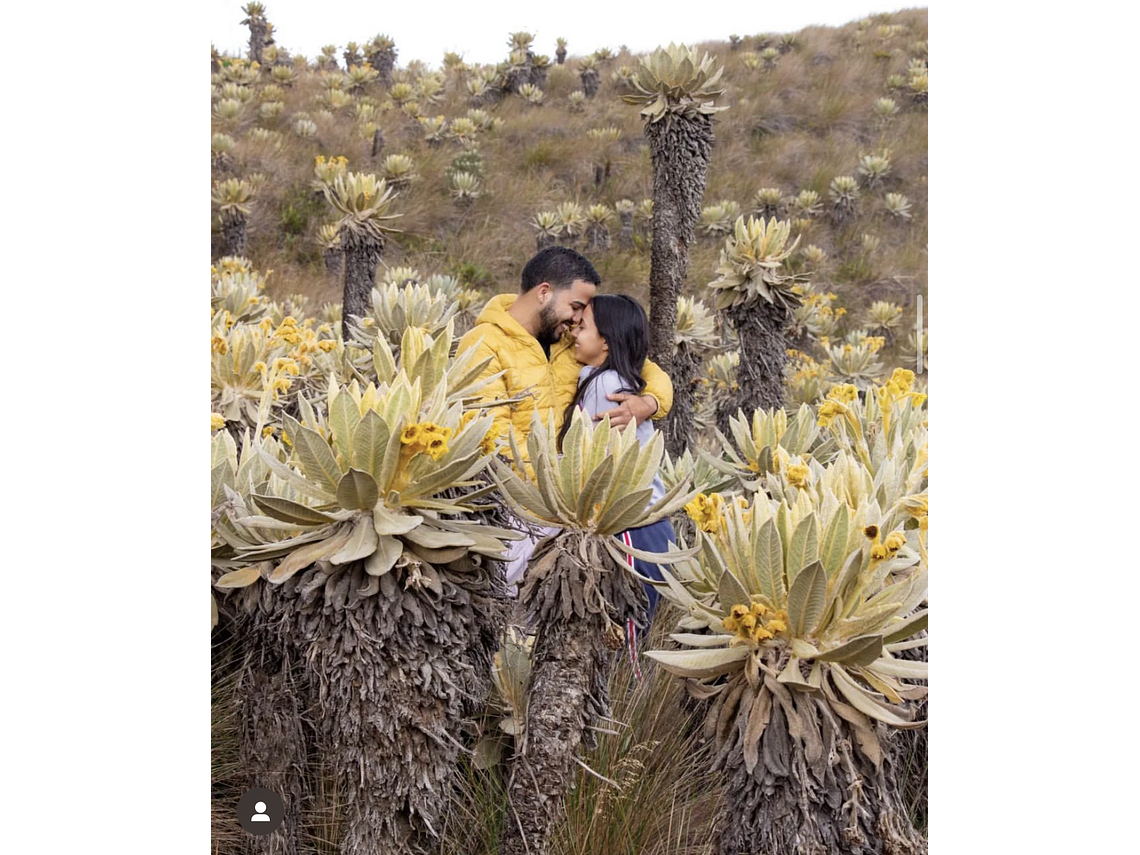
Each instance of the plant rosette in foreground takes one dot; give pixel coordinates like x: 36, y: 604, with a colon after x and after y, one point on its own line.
x: 377, y: 488
x: 808, y: 597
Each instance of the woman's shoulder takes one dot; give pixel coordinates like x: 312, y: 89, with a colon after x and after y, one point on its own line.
x: 606, y: 379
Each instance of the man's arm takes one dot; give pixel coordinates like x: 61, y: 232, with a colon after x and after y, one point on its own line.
x: 655, y: 402
x: 659, y: 387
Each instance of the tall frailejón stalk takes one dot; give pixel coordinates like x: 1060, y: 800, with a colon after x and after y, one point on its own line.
x: 363, y: 202
x: 675, y: 88
x: 757, y: 296
x: 580, y: 595
x: 362, y: 554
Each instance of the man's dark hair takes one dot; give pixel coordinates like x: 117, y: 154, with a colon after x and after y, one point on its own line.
x: 560, y: 266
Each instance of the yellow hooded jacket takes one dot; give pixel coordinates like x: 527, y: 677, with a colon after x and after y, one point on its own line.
x: 548, y: 384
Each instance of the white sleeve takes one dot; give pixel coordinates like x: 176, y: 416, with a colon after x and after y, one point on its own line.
x: 606, y: 383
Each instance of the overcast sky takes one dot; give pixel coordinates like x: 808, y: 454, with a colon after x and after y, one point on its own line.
x: 478, y: 30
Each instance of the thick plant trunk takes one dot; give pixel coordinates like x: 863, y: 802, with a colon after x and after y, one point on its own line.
x: 377, y: 142
x: 678, y: 425
x: 542, y: 241
x: 257, y: 33
x: 813, y: 790
x: 275, y: 739
x: 763, y: 353
x: 579, y: 599
x: 560, y: 55
x: 383, y: 61
x: 680, y: 148
x: 568, y: 691
x: 590, y: 81
x: 361, y: 256
x: 233, y: 229
x: 625, y: 235
x: 598, y: 237
x: 393, y: 666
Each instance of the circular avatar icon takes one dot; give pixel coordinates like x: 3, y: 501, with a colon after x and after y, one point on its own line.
x: 261, y: 811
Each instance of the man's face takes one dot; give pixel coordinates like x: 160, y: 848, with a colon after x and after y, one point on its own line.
x: 563, y: 309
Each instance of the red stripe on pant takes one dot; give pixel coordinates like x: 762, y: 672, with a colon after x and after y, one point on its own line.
x: 630, y: 629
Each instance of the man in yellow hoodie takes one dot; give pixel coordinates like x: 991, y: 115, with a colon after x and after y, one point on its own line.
x: 524, y: 336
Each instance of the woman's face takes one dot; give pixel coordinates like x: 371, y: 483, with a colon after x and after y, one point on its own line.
x: 589, y: 347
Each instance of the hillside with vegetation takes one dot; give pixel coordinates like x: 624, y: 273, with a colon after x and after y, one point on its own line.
x: 368, y: 664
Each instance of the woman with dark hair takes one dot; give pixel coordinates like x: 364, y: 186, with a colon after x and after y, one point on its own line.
x: 612, y: 341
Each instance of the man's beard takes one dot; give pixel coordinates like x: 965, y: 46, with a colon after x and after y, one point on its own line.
x: 548, y: 324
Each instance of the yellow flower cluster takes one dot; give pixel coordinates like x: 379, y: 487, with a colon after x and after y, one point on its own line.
x: 874, y: 343
x: 845, y: 393
x: 287, y: 332
x: 218, y: 345
x: 896, y: 389
x: 807, y: 369
x: 490, y: 440
x: 327, y: 169
x: 883, y: 549
x: 828, y: 410
x: 705, y: 511
x: 216, y: 421
x: 754, y: 623
x: 798, y: 475
x: 427, y: 437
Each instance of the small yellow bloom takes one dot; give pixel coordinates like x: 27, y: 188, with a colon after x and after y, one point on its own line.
x: 797, y: 475
x: 216, y: 421
x: 878, y: 552
x: 490, y: 440
x: 437, y: 447
x: 739, y: 611
x: 731, y: 624
x: 777, y: 625
x: 895, y: 540
x: 759, y: 633
x: 759, y: 609
x: 326, y: 345
x: 218, y: 345
x: 748, y: 621
x: 267, y: 431
x: 411, y: 434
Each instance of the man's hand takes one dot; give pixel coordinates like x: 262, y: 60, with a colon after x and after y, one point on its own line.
x: 632, y: 408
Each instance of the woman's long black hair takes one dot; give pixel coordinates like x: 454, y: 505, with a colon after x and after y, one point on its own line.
x: 622, y: 323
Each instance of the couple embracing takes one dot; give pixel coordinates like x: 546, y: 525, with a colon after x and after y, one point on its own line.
x: 563, y: 346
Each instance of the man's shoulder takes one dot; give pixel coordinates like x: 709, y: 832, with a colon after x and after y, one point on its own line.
x: 487, y: 333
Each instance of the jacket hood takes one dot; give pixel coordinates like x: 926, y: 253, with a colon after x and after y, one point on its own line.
x: 495, y: 312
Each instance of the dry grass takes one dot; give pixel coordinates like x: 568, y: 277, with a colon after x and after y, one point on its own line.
x: 796, y: 126
x: 667, y: 802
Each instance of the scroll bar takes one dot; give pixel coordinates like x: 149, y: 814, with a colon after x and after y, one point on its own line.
x: 918, y: 323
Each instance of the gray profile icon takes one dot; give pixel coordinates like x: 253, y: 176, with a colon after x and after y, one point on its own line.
x: 260, y: 811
